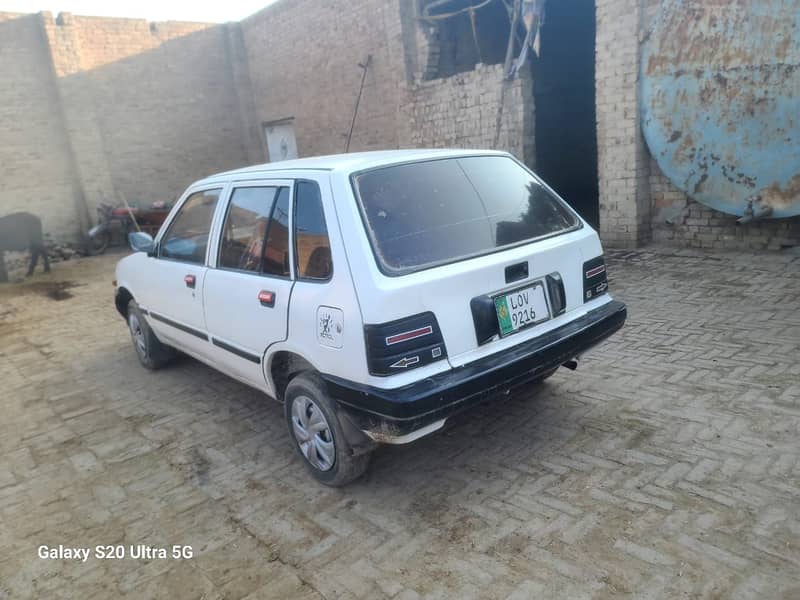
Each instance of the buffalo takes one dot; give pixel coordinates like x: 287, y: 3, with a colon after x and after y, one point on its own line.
x: 19, y: 232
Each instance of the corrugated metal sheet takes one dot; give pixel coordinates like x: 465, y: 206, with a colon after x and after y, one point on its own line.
x: 720, y: 94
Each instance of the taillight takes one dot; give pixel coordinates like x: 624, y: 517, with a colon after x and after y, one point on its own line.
x: 408, y: 343
x: 595, y: 279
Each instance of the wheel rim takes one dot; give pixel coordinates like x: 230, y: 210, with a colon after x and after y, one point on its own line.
x: 137, y: 334
x: 313, y: 434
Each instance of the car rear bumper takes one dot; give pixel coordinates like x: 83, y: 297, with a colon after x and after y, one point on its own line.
x: 404, y: 414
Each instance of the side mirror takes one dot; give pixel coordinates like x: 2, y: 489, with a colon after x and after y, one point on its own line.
x: 140, y: 241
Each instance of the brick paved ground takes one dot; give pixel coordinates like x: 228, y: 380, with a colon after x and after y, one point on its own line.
x: 666, y: 466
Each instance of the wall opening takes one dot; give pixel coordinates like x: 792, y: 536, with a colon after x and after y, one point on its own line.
x: 564, y: 96
x: 462, y: 36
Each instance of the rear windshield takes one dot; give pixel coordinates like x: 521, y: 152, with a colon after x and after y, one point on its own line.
x: 427, y: 213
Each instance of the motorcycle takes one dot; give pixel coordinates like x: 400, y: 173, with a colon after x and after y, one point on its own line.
x: 115, y: 223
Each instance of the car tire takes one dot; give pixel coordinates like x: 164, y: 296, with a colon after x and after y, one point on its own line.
x: 317, y: 434
x: 546, y: 375
x: 150, y: 351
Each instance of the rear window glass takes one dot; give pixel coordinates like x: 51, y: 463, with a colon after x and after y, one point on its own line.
x: 427, y: 213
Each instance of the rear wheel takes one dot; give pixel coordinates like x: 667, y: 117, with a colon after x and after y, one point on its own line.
x: 99, y: 243
x: 151, y: 352
x: 318, y: 435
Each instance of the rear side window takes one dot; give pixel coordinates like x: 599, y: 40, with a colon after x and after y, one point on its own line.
x: 276, y: 252
x: 312, y: 246
x: 434, y: 212
x: 187, y: 237
x: 245, y: 228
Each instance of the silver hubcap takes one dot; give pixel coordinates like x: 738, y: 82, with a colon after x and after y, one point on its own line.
x: 313, y: 434
x: 137, y: 334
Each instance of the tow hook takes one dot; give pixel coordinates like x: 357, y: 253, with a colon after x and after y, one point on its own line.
x: 571, y: 364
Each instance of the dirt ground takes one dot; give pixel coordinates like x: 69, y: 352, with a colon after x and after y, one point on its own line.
x: 666, y: 466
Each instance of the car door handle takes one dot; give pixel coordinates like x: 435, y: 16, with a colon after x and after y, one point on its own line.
x: 190, y: 281
x: 266, y: 298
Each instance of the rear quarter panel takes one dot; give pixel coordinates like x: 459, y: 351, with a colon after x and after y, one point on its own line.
x: 348, y: 361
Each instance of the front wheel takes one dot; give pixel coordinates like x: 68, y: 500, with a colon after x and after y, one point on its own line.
x: 150, y: 351
x: 318, y: 435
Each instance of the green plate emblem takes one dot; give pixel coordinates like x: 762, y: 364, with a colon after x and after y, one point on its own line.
x: 503, y: 315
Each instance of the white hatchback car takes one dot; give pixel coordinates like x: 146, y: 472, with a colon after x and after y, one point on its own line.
x: 375, y: 294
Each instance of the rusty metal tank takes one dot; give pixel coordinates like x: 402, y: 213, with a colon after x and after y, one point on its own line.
x: 720, y: 102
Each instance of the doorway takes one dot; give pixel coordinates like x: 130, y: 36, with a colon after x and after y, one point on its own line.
x: 564, y: 96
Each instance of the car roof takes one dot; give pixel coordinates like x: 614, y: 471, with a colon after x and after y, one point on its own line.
x: 348, y: 163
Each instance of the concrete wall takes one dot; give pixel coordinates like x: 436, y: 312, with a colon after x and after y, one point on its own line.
x: 122, y: 108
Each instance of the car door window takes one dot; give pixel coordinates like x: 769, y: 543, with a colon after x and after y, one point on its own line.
x: 276, y: 251
x: 187, y: 237
x: 245, y: 228
x: 312, y: 246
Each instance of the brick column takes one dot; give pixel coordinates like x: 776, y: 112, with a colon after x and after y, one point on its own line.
x: 622, y: 156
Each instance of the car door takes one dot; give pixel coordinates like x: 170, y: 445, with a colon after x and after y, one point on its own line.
x: 247, y: 291
x: 174, y: 298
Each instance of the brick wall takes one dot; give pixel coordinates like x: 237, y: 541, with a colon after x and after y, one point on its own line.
x: 304, y: 56
x: 622, y: 157
x: 35, y: 162
x: 129, y: 109
x: 317, y: 82
x: 150, y: 106
x: 99, y: 108
x: 680, y: 221
x: 461, y: 112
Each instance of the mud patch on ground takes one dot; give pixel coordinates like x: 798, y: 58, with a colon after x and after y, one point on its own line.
x: 55, y: 290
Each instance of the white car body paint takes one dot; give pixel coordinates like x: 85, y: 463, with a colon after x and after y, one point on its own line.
x: 224, y: 304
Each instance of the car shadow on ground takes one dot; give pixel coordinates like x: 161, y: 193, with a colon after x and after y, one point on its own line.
x: 513, y: 431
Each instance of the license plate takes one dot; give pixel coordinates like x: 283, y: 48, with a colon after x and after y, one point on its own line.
x: 520, y: 308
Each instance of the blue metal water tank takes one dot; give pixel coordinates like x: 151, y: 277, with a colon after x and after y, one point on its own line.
x: 720, y: 102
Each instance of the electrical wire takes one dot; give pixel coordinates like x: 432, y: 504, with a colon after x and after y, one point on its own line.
x: 455, y: 13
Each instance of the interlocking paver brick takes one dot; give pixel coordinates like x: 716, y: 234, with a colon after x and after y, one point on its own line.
x: 667, y: 465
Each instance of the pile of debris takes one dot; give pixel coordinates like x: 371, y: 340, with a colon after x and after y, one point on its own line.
x: 56, y: 252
